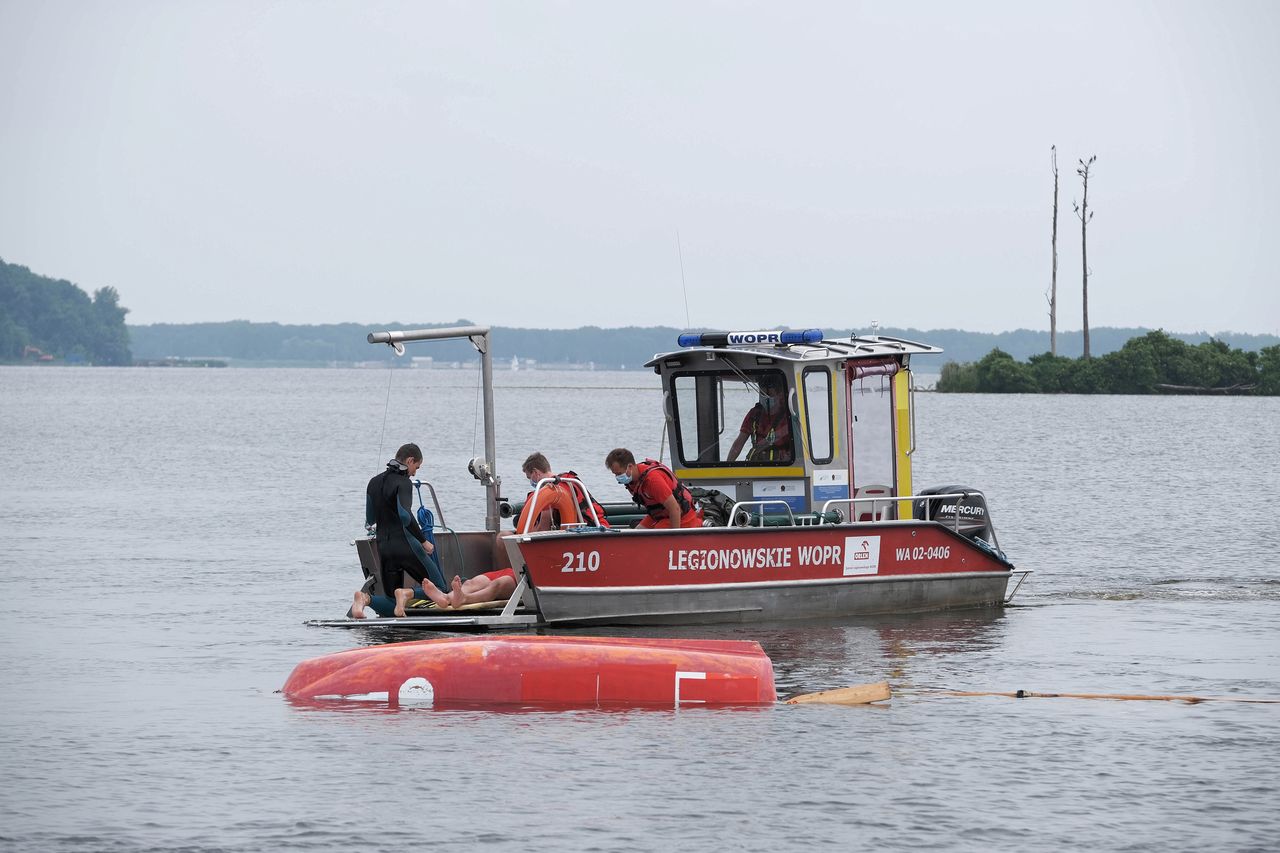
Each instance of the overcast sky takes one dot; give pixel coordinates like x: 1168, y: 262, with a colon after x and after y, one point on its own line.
x: 531, y: 164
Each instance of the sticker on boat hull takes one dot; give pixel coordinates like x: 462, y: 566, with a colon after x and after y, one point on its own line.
x: 861, y: 555
x: 417, y: 691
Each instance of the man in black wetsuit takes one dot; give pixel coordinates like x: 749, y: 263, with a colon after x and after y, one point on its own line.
x: 402, y: 544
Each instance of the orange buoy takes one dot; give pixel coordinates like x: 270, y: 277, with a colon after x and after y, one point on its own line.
x: 537, y: 670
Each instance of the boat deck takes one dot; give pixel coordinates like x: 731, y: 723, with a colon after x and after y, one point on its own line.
x: 461, y: 621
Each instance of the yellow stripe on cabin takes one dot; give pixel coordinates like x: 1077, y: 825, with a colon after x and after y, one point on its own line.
x: 902, y: 413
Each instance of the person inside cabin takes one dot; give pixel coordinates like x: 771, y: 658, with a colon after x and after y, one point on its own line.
x: 767, y: 425
x: 403, y: 546
x: 655, y: 488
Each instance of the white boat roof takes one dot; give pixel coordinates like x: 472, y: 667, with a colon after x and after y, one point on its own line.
x: 840, y: 349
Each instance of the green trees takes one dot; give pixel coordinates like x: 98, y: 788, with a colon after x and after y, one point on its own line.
x: 112, y: 338
x: 958, y: 378
x: 1141, y: 366
x: 60, y: 319
x: 998, y: 373
x: 1269, y: 371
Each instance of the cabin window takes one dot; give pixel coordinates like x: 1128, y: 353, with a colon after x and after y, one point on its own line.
x: 871, y: 399
x: 817, y: 411
x: 733, y: 418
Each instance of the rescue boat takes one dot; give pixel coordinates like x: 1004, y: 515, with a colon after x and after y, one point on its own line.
x: 808, y: 501
x: 537, y: 671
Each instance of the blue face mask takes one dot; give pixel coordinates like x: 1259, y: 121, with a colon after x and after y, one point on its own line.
x: 533, y: 484
x: 622, y: 478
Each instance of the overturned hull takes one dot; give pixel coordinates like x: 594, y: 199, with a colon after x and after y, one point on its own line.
x: 714, y: 575
x: 537, y: 670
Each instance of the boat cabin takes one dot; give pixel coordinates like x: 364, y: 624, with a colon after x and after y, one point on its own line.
x: 786, y: 423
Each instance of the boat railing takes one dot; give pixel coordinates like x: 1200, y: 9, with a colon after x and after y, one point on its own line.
x: 733, y: 512
x: 552, y: 481
x: 853, y: 506
x: 434, y: 499
x: 892, y: 499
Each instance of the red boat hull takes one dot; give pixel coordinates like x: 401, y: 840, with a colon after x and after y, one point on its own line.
x: 562, y: 671
x: 747, y: 574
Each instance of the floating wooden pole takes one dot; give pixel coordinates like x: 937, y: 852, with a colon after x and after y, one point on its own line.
x: 859, y: 694
x: 865, y: 694
x: 1132, y: 697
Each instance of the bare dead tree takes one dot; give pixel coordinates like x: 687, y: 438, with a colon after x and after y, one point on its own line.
x: 1082, y: 212
x: 1053, y: 284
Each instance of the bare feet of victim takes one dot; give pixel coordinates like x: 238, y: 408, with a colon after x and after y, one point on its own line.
x: 437, y: 597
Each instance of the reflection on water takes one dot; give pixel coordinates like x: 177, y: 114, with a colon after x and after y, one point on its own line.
x: 453, y: 707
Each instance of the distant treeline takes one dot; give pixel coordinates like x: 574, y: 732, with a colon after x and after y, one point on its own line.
x: 1152, y: 364
x: 50, y: 319
x: 347, y: 343
x: 45, y: 317
x: 607, y: 348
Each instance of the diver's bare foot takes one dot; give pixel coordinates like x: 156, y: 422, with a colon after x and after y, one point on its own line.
x: 358, y: 603
x: 456, y: 596
x: 403, y: 597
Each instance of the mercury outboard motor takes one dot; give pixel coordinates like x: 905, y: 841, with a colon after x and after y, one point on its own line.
x: 966, y: 514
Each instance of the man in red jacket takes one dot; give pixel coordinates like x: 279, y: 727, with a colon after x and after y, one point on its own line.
x: 654, y: 487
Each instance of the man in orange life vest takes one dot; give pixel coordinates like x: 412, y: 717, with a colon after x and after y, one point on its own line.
x: 575, y: 504
x: 768, y: 425
x: 655, y: 488
x: 554, y: 504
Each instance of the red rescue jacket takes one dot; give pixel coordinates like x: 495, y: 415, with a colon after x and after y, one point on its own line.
x: 678, y: 489
x: 585, y: 502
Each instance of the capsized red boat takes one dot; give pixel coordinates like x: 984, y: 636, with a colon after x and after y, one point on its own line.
x: 541, y: 670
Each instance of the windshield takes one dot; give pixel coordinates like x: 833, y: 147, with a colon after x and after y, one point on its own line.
x: 732, y: 418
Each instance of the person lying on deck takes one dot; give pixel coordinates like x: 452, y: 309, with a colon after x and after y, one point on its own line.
x: 489, y: 586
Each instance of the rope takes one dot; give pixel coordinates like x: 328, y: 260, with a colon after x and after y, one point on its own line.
x: 861, y: 694
x: 385, y: 408
x: 475, y: 427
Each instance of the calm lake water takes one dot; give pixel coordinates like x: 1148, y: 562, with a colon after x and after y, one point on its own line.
x: 167, y: 532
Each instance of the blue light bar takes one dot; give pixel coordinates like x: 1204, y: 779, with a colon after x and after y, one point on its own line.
x: 775, y: 337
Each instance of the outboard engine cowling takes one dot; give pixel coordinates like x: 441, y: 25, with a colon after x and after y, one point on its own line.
x: 967, y: 515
